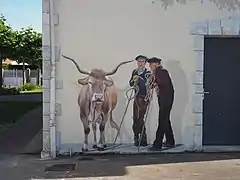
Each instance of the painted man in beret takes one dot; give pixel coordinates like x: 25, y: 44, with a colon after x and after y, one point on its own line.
x: 139, y: 105
x: 165, y: 94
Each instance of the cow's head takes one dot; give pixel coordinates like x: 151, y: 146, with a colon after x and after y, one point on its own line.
x: 97, y: 83
x: 96, y: 80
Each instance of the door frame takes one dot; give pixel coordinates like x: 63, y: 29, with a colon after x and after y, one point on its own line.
x: 222, y: 27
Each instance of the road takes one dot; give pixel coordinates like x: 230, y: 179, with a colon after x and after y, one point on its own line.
x: 148, y: 167
x: 15, y: 139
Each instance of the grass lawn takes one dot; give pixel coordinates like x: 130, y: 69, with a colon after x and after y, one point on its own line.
x: 11, y: 111
x: 32, y: 92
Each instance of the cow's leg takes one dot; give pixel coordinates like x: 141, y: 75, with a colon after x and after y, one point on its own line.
x: 105, y: 119
x: 94, y: 127
x: 103, y: 137
x: 102, y: 143
x: 86, y: 133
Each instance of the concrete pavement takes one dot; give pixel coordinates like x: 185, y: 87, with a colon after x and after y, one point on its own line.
x: 148, y: 167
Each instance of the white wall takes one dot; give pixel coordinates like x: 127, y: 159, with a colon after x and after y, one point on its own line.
x: 104, y: 33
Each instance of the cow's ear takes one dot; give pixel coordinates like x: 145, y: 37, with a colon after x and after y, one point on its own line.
x: 109, y: 82
x: 83, y: 81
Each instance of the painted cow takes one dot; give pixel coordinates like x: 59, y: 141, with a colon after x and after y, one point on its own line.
x: 97, y: 100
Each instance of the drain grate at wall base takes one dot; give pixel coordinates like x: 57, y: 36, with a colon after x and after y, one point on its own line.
x: 61, y: 167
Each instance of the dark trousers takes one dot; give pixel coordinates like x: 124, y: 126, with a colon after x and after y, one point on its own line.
x: 164, y: 124
x: 139, y: 110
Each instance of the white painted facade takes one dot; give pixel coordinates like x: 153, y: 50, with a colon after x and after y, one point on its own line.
x: 104, y: 33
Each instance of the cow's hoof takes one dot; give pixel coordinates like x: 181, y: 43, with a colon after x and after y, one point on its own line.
x: 104, y: 145
x: 100, y: 148
x: 84, y: 150
x: 94, y: 146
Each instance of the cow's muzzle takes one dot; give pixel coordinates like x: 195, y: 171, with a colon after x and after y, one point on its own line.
x: 98, y: 97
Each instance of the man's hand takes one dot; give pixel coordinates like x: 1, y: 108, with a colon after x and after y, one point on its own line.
x: 155, y: 85
x: 157, y: 89
x: 135, y: 78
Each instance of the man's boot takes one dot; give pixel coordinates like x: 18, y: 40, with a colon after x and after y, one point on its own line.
x: 136, y: 140
x: 144, y: 140
x: 168, y: 145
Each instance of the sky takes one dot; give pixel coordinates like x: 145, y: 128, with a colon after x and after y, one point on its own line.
x: 22, y: 13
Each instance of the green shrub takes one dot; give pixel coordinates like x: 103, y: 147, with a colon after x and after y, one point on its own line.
x: 28, y: 87
x: 10, y: 91
x: 6, y: 66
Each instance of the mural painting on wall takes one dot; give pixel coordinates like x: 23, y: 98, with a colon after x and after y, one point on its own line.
x: 98, y: 98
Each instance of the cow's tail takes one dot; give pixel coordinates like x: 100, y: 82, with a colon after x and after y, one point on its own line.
x: 113, y: 123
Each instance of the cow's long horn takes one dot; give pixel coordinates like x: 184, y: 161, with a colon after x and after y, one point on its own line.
x: 115, y: 70
x: 77, y: 66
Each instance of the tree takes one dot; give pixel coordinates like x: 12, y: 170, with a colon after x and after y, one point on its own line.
x: 6, y: 42
x: 6, y: 37
x: 28, y: 47
x: 231, y: 5
x: 24, y: 46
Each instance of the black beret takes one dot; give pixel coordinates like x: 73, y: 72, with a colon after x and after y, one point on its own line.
x: 141, y: 57
x: 154, y: 60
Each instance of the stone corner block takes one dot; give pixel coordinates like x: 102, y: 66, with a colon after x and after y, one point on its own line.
x: 198, y: 89
x: 214, y: 27
x: 56, y: 19
x: 197, y: 103
x: 199, y: 60
x: 45, y: 6
x: 198, y: 138
x: 199, y: 28
x: 46, y: 70
x: 58, y: 139
x: 197, y: 77
x: 46, y: 19
x: 46, y: 53
x: 58, y: 52
x: 58, y: 109
x: 198, y: 42
x: 46, y: 108
x: 46, y: 95
x: 230, y: 25
x: 46, y: 84
x: 59, y: 84
x: 198, y: 121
